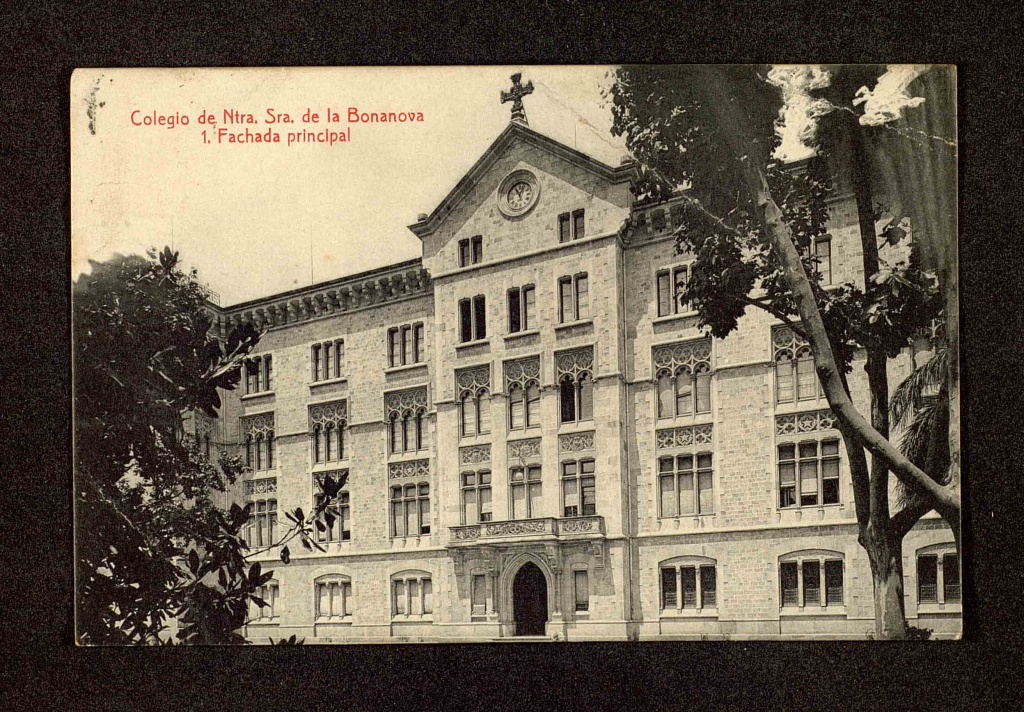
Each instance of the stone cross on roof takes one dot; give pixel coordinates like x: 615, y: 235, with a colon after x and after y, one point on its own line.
x: 515, y: 95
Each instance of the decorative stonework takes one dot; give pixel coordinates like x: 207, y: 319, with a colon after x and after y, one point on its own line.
x: 684, y: 437
x: 522, y: 371
x: 336, y: 475
x: 786, y: 342
x: 573, y: 363
x: 523, y: 450
x: 576, y: 442
x: 469, y: 381
x: 689, y: 354
x: 203, y: 425
x: 256, y: 425
x: 805, y: 422
x: 335, y: 413
x: 412, y: 468
x: 528, y: 526
x: 469, y: 533
x: 266, y: 485
x: 474, y: 455
x: 575, y: 526
x: 399, y: 403
x: 337, y: 297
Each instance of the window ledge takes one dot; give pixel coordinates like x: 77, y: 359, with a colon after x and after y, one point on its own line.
x: 330, y: 466
x: 571, y: 324
x: 813, y: 611
x: 276, y: 620
x: 576, y: 426
x: 406, y: 367
x: 413, y: 618
x: 673, y: 317
x: 513, y: 335
x: 254, y: 396
x: 328, y: 382
x: 689, y: 613
x: 684, y: 420
x: 411, y: 455
x: 335, y: 620
x: 471, y: 344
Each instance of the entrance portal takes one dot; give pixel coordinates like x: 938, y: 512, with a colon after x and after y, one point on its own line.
x: 530, y: 600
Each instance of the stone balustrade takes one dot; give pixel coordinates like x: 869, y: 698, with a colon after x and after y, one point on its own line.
x: 539, y: 529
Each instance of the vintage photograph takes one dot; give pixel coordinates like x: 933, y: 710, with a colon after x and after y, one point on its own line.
x: 515, y: 354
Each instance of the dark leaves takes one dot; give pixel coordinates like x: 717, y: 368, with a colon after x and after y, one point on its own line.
x: 286, y: 555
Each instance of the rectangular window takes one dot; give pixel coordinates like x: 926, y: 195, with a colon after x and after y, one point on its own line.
x: 928, y: 579
x: 789, y: 580
x: 708, y: 587
x: 823, y: 251
x: 688, y: 577
x: 406, y: 345
x: 833, y: 582
x: 525, y: 486
x: 582, y: 297
x: 472, y: 319
x: 314, y: 358
x: 578, y: 224
x: 579, y: 495
x: 668, y: 588
x: 664, y: 289
x: 581, y: 589
x: 476, y: 497
x: 565, y: 310
x: 394, y: 348
x: 658, y: 219
x: 258, y: 374
x: 685, y: 490
x: 477, y: 245
x: 808, y: 473
x: 463, y: 253
x: 419, y: 344
x: 812, y: 583
x: 573, y: 298
x: 951, y: 578
x: 410, y: 510
x: 671, y: 284
x: 529, y: 307
x: 334, y: 599
x: 479, y: 594
x: 564, y: 228
x: 340, y: 528
x: 521, y: 306
x: 400, y: 598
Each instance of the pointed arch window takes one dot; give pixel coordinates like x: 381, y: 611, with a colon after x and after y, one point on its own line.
x: 795, y: 375
x: 474, y: 394
x: 522, y: 382
x: 328, y: 425
x: 576, y: 385
x: 683, y: 373
x: 258, y: 436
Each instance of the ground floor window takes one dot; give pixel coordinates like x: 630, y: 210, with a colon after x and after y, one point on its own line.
x: 689, y: 586
x: 266, y: 608
x: 581, y: 590
x: 412, y: 594
x: 480, y: 594
x: 333, y: 599
x: 813, y: 580
x: 938, y: 577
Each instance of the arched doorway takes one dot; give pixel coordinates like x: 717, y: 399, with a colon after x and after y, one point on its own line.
x: 530, y: 600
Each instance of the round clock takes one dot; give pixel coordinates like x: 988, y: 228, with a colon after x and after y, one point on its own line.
x: 518, y: 193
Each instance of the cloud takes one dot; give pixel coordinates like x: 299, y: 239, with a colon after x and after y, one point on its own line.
x: 798, y: 118
x: 889, y: 98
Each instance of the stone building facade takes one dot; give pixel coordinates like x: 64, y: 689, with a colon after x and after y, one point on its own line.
x: 540, y: 441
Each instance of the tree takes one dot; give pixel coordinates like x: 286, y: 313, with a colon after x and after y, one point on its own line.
x: 709, y: 133
x: 150, y: 542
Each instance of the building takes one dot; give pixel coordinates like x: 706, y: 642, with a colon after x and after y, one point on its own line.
x: 540, y: 441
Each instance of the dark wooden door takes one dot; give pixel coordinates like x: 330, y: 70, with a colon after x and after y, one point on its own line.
x: 530, y: 600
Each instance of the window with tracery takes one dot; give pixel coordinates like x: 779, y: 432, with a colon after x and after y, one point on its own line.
x: 575, y: 373
x: 328, y: 428
x: 522, y: 383
x: 473, y: 386
x: 406, y: 414
x: 258, y: 441
x: 795, y: 377
x: 683, y: 373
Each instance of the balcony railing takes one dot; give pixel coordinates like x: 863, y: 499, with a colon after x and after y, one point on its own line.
x: 540, y: 529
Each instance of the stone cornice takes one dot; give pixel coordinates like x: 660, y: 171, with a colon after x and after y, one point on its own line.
x: 367, y: 289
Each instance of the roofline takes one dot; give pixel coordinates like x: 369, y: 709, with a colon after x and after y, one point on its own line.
x: 628, y: 171
x: 338, y: 281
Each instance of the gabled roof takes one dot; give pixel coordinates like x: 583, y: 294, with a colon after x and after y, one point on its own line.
x: 627, y: 171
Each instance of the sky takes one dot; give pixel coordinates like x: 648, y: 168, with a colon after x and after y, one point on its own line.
x: 259, y: 219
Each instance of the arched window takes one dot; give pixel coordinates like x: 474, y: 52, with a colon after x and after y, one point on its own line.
x: 258, y: 433
x: 567, y: 399
x: 395, y: 434
x: 329, y: 441
x: 585, y: 388
x: 248, y: 451
x: 938, y: 575
x: 405, y: 413
x: 689, y: 583
x: 408, y: 432
x: 516, y: 419
x: 411, y: 594
x: 575, y: 384
x: 812, y: 578
x: 259, y: 452
x: 468, y: 417
x: 795, y: 376
x: 783, y: 376
x: 665, y: 396
x: 702, y: 377
x: 327, y: 423
x: 420, y: 432
x: 806, y: 380
x: 483, y: 411
x: 684, y: 391
x: 318, y: 444
x: 532, y: 404
x: 270, y: 450
x: 333, y: 598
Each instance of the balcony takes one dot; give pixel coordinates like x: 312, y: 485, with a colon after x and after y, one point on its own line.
x: 528, y: 530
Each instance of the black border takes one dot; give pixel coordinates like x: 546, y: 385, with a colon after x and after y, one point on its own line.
x: 45, y: 41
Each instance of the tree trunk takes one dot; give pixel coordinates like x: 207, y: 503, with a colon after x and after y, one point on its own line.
x: 886, y: 560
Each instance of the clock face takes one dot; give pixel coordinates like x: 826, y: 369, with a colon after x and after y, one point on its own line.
x: 519, y: 195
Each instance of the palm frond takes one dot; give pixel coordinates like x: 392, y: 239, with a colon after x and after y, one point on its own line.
x: 910, y: 395
x: 924, y: 442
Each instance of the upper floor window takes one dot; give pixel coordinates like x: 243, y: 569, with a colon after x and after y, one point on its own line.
x: 822, y: 249
x: 338, y: 525
x: 476, y: 497
x: 406, y: 415
x: 579, y: 496
x: 795, y: 377
x: 576, y: 385
x: 268, y: 594
x: 328, y: 426
x: 333, y: 597
x: 412, y: 594
x: 809, y: 473
x: 472, y: 319
x: 522, y: 306
x: 811, y: 579
x: 525, y: 489
x: 261, y: 528
x: 474, y: 395
x: 671, y: 284
x: 326, y: 360
x: 410, y: 510
x: 258, y: 441
x: 471, y: 250
x: 573, y: 298
x: 938, y: 577
x: 259, y: 374
x: 684, y: 378
x: 523, y: 386
x: 571, y: 226
x: 406, y: 345
x: 691, y: 583
x: 686, y: 485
